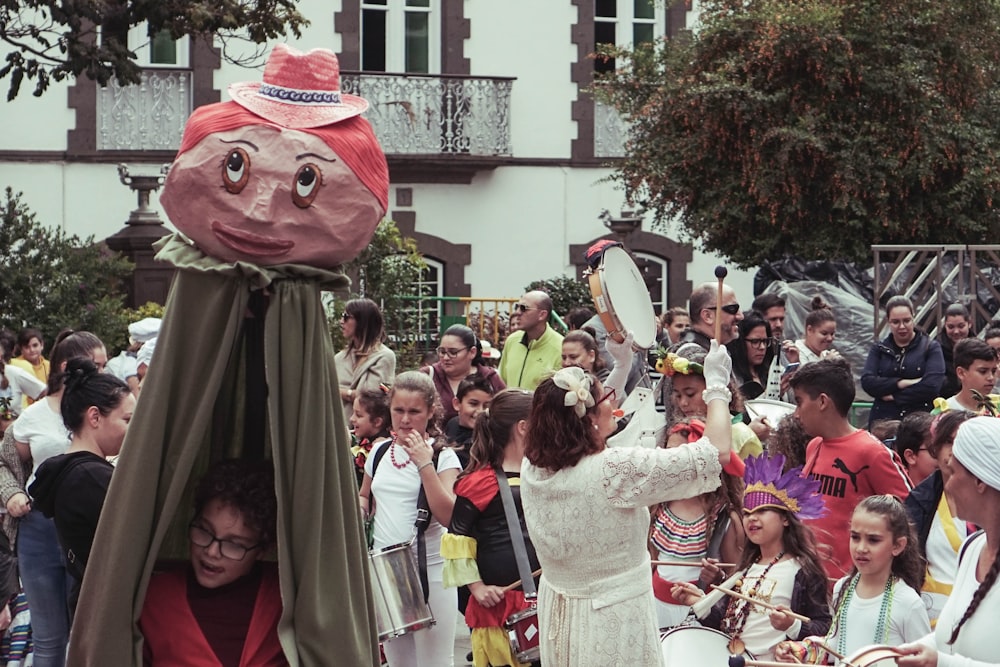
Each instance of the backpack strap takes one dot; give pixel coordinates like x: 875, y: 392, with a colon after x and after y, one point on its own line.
x: 421, y: 524
x: 965, y: 545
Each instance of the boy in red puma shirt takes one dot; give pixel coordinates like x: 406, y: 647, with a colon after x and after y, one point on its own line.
x: 849, y: 463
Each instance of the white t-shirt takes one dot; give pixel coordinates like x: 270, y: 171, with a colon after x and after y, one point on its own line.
x: 20, y: 383
x: 942, y: 562
x: 395, y: 491
x: 43, y: 430
x: 977, y: 644
x: 907, y: 619
x: 758, y: 633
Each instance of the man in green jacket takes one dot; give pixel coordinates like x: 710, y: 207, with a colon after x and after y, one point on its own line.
x: 531, y: 353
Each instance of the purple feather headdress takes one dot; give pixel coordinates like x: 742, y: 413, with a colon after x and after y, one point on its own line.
x: 768, y: 487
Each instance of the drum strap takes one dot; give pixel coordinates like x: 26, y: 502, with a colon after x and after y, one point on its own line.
x: 423, y: 520
x: 516, y: 536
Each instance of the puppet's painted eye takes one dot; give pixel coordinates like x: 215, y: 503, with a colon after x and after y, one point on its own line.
x: 236, y: 170
x: 308, y: 180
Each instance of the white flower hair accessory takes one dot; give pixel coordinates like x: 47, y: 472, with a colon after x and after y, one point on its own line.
x: 577, y: 386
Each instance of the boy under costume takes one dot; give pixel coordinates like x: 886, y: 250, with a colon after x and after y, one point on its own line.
x: 276, y: 190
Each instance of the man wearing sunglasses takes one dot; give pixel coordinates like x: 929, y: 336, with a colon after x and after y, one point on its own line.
x: 536, y: 348
x: 702, y: 309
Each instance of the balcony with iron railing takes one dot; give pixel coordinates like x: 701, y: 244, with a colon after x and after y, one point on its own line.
x: 436, y: 115
x: 147, y: 116
x: 463, y: 118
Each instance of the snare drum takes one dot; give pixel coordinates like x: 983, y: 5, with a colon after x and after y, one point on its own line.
x: 695, y: 645
x: 622, y: 299
x: 399, y: 599
x: 522, y: 628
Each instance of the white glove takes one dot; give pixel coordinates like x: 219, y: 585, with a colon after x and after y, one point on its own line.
x: 718, y: 366
x: 621, y: 352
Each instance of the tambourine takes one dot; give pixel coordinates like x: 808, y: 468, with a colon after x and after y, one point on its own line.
x: 622, y: 299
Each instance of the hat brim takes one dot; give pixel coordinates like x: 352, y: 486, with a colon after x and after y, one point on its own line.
x: 296, y: 116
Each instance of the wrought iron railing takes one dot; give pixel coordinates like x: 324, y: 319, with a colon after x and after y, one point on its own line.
x: 149, y: 115
x: 418, y: 114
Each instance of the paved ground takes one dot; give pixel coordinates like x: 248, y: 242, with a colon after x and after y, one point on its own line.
x: 462, y: 643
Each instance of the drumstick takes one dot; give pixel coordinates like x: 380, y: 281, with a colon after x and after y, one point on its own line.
x: 680, y: 563
x: 743, y: 661
x: 720, y: 273
x: 517, y: 584
x: 760, y: 603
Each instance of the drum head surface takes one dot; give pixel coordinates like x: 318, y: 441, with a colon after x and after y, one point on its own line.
x: 766, y: 407
x: 627, y: 296
x: 693, y: 645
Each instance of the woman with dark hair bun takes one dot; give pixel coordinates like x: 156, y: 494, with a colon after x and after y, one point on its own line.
x: 366, y: 363
x: 39, y: 434
x: 821, y: 328
x: 70, y: 488
x: 460, y: 354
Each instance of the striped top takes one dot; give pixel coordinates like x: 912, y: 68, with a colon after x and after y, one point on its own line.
x: 678, y: 539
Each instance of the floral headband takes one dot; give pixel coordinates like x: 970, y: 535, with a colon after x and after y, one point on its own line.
x: 577, y: 385
x: 670, y: 364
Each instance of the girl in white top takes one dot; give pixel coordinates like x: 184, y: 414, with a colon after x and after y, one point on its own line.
x: 405, y: 463
x: 878, y: 602
x: 39, y: 434
x: 966, y: 631
x: 821, y: 327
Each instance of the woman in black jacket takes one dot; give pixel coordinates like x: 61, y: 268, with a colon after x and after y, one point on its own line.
x: 904, y: 372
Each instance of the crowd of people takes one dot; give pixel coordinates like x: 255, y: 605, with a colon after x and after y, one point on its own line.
x: 799, y: 537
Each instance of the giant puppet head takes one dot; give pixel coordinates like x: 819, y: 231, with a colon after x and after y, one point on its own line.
x: 286, y: 173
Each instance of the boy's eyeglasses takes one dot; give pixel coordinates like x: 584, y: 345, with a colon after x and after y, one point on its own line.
x: 204, y: 539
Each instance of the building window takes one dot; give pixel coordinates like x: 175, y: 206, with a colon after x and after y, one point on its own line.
x: 655, y: 271
x: 418, y: 321
x: 159, y: 50
x: 400, y: 36
x: 625, y: 22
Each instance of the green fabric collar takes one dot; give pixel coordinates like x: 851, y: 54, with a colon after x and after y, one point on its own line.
x: 175, y: 249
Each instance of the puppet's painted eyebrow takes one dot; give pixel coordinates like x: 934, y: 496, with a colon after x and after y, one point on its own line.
x: 315, y: 155
x: 240, y: 141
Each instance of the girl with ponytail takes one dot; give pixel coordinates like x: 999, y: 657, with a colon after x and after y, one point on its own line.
x: 966, y: 629
x: 478, y: 547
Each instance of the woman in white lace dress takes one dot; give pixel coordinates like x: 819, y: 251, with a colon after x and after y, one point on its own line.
x: 586, y: 510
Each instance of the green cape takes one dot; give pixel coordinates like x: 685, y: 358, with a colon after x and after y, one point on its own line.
x: 190, y: 413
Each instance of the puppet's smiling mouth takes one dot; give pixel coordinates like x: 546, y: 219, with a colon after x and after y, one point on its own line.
x: 249, y: 243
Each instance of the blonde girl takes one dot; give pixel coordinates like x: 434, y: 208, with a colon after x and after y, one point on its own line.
x: 394, y: 474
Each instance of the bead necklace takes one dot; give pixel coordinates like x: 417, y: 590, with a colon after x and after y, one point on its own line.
x: 881, y: 627
x: 735, y: 621
x: 392, y: 455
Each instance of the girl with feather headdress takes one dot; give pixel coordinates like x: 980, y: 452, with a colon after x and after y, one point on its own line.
x: 779, y: 567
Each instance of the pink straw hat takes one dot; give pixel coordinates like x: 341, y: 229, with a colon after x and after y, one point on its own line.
x: 300, y: 90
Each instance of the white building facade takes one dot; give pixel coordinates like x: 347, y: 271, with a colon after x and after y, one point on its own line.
x: 498, y: 154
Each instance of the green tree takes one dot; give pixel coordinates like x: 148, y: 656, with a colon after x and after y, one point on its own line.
x: 53, y: 39
x: 385, y: 272
x: 51, y: 281
x: 817, y: 127
x: 566, y: 293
